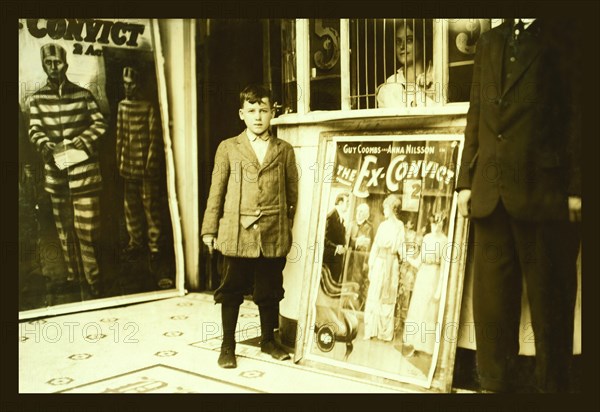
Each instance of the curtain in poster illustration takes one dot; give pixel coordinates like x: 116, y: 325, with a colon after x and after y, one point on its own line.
x: 388, y: 214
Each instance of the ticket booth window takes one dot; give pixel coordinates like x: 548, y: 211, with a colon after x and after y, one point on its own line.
x: 391, y: 63
x: 325, y: 70
x: 367, y: 64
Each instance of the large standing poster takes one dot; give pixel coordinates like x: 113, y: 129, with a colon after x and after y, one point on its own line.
x: 94, y: 215
x: 384, y: 254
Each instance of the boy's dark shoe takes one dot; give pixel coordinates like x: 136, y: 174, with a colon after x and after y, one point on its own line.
x: 273, y: 349
x: 227, y: 358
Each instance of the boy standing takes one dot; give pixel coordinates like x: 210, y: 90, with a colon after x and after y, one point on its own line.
x: 249, y: 217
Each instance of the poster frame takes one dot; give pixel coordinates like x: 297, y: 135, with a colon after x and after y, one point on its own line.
x: 178, y: 288
x: 440, y: 377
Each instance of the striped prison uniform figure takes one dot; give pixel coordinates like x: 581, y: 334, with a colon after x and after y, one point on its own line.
x: 140, y: 157
x: 56, y: 114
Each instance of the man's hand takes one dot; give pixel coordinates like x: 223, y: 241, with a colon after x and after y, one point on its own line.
x: 362, y: 241
x: 209, y: 241
x: 574, y: 209
x: 48, y: 151
x: 78, y: 143
x: 464, y: 202
x: 340, y: 250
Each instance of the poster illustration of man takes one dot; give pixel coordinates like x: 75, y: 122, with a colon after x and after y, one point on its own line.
x: 335, y: 236
x: 140, y: 160
x: 62, y: 114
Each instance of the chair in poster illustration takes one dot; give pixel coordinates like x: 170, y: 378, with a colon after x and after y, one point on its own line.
x: 336, y: 314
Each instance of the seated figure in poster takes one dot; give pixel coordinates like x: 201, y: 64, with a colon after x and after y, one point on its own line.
x: 411, y: 85
x: 361, y: 238
x: 419, y: 336
x: 384, y: 273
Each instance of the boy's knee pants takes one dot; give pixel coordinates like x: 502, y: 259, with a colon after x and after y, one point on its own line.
x: 262, y: 277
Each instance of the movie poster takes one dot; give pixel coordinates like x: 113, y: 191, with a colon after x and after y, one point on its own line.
x: 385, y: 236
x: 94, y: 218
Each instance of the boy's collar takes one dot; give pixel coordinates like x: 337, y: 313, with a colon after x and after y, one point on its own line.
x: 265, y: 136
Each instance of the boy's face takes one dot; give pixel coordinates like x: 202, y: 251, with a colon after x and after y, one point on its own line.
x: 257, y: 116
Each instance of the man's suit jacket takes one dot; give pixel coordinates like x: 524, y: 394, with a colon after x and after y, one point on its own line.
x: 335, y: 234
x: 521, y: 141
x: 251, y: 206
x: 366, y: 230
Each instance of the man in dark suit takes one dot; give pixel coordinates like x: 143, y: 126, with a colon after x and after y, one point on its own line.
x: 335, y: 237
x: 521, y: 185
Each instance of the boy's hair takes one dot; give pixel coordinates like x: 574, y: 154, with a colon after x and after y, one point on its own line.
x: 255, y: 93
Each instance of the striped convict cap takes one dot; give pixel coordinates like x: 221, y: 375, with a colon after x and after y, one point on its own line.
x: 53, y: 49
x: 130, y: 74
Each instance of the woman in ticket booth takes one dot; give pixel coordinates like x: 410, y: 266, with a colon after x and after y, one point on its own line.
x: 412, y: 83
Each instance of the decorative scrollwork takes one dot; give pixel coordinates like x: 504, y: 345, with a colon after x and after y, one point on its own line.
x: 326, y: 59
x: 466, y: 40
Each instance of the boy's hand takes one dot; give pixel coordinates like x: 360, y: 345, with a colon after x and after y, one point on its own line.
x: 209, y: 241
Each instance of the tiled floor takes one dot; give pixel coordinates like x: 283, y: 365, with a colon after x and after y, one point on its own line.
x: 168, y: 346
